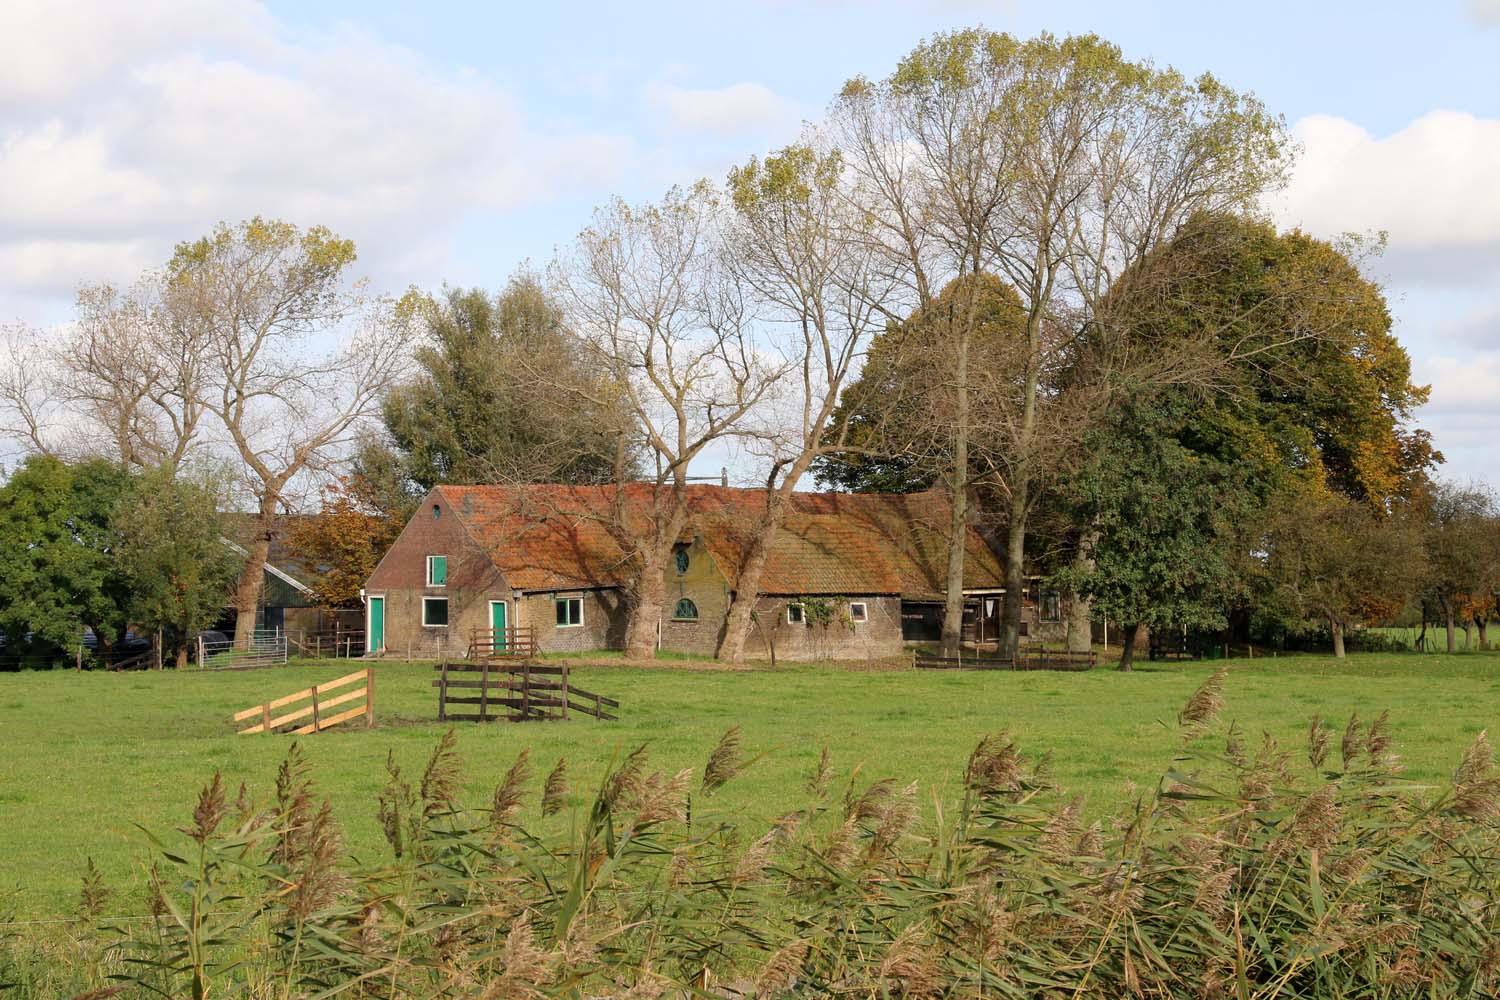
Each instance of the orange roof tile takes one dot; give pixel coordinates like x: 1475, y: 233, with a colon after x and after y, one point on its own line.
x: 551, y: 537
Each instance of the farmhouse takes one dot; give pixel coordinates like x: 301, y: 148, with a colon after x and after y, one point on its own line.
x: 848, y: 575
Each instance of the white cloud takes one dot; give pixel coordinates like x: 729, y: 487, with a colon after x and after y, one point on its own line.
x: 211, y: 112
x: 1464, y: 412
x: 739, y: 107
x: 1431, y: 186
x: 1486, y: 13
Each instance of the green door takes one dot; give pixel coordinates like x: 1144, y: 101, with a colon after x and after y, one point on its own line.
x: 375, y: 637
x: 497, y: 623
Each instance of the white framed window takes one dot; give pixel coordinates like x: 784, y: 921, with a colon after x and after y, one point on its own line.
x: 795, y: 614
x: 435, y: 612
x: 437, y: 571
x: 569, y: 610
x: 858, y: 611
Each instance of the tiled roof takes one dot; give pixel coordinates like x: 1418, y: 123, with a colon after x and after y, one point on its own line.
x: 549, y: 537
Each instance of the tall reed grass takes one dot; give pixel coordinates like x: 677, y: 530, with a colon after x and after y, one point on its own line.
x: 1253, y: 871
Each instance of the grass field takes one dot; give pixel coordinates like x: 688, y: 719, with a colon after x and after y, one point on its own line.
x: 85, y: 757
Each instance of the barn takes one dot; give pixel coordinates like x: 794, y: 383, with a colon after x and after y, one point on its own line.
x: 848, y: 576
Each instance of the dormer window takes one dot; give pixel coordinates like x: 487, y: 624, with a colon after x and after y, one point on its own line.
x: 437, y: 571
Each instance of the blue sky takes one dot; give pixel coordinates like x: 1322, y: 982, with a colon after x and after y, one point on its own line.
x: 452, y: 141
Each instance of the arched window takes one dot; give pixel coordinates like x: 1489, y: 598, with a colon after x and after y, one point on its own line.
x: 686, y: 611
x: 437, y: 512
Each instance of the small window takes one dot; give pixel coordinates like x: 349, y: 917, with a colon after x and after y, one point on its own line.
x: 1050, y: 610
x: 686, y: 611
x: 858, y: 612
x: 794, y: 614
x: 435, y: 612
x: 437, y: 571
x: 569, y: 611
x: 437, y: 512
x: 682, y: 561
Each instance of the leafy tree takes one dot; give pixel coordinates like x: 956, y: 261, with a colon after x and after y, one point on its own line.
x: 923, y: 411
x: 59, y: 571
x: 1331, y: 561
x: 172, y: 557
x: 496, y: 398
x: 349, y: 537
x: 1314, y: 382
x: 1164, y: 508
x: 1458, y: 537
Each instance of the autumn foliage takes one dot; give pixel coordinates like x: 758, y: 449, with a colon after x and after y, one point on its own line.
x: 345, y: 540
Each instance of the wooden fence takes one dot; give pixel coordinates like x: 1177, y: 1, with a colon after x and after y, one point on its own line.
x: 1028, y: 658
x: 318, y: 707
x: 516, y: 643
x: 517, y: 692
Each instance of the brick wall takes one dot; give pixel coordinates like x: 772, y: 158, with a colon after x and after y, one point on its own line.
x: 704, y: 585
x: 603, y: 625
x: 877, y: 637
x: 472, y: 582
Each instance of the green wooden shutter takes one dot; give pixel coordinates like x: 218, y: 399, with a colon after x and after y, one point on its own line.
x: 439, y: 570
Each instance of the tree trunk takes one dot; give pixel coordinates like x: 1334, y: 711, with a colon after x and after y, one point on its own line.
x: 1127, y: 648
x: 182, y: 657
x: 953, y: 580
x: 252, y: 578
x: 1449, y: 623
x: 958, y: 526
x: 1337, y: 628
x: 1484, y: 626
x: 642, y: 628
x: 1080, y: 628
x: 747, y: 588
x: 1468, y: 635
x: 1014, y: 603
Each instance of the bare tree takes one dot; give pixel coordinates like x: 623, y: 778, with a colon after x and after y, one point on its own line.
x: 665, y: 322
x: 135, y: 372
x: 807, y: 258
x: 32, y: 409
x: 294, y: 358
x: 1055, y: 164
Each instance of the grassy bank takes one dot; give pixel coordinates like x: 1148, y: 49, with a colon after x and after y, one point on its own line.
x: 85, y: 757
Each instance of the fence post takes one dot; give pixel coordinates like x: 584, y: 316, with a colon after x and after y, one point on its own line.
x: 369, y: 697
x: 443, y: 693
x: 484, y: 691
x: 317, y: 647
x: 526, y: 690
x: 565, y: 692
x: 317, y: 719
x: 265, y: 717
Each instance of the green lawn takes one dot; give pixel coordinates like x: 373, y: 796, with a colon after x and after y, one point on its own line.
x: 84, y: 757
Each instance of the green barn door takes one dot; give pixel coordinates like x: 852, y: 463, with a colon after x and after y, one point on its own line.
x: 375, y: 635
x: 497, y: 623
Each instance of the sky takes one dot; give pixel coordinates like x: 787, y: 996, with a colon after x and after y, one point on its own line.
x: 456, y: 142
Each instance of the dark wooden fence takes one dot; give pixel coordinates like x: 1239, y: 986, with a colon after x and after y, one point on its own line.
x: 515, y: 691
x: 1029, y: 658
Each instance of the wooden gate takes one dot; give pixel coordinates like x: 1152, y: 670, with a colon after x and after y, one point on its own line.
x: 318, y: 707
